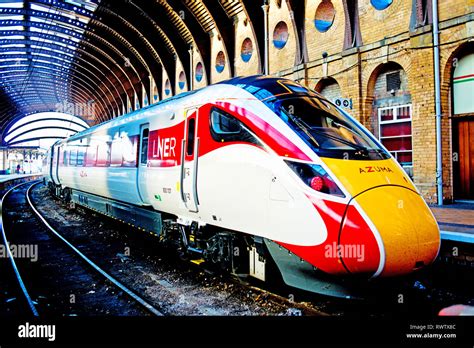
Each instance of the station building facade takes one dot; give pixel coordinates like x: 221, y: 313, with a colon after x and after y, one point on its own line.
x: 377, y: 58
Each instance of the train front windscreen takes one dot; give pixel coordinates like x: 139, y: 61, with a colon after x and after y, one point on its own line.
x: 328, y: 131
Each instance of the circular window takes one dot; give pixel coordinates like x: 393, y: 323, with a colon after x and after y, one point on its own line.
x: 220, y: 62
x: 182, y: 80
x: 155, y: 93
x: 381, y: 4
x: 167, y: 87
x: 199, y: 72
x: 324, y: 17
x: 280, y: 35
x: 247, y: 50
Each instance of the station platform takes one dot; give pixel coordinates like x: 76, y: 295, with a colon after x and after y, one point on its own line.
x: 7, y: 181
x: 456, y: 221
x: 9, y: 177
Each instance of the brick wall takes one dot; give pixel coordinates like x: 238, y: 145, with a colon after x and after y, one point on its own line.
x: 179, y: 82
x: 281, y: 59
x: 244, y: 30
x: 331, y: 90
x: 164, y: 87
x: 217, y: 45
x: 376, y: 25
x: 330, y: 41
x: 360, y: 72
x: 198, y: 59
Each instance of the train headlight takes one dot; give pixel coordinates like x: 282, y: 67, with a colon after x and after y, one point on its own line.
x: 317, y: 183
x: 315, y: 177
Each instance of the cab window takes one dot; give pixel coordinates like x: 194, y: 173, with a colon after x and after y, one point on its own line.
x: 226, y: 128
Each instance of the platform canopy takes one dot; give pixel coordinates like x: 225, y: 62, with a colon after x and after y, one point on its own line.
x: 98, y: 59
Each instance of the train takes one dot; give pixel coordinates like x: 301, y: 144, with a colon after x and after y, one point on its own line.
x: 252, y: 174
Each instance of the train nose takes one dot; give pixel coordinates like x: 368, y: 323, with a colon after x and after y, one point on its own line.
x: 407, y: 234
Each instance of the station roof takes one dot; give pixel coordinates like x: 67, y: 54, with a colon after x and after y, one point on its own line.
x: 57, y: 53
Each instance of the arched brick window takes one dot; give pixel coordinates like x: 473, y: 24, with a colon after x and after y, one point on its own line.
x: 421, y: 14
x: 392, y: 113
x: 352, y: 36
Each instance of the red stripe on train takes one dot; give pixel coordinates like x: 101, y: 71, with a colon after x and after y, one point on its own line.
x: 356, y: 246
x: 165, y: 145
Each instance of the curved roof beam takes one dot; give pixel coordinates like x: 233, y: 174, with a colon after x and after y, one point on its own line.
x: 129, y: 52
x: 58, y: 55
x: 34, y: 139
x: 136, y: 13
x: 151, y: 49
x: 201, y: 36
x: 57, y: 72
x: 108, y: 61
x: 221, y: 14
x: 176, y: 28
x: 12, y: 140
x: 14, y: 129
x: 130, y: 63
x: 34, y: 98
x: 56, y: 18
x: 53, y: 17
x: 6, y: 126
x: 57, y: 61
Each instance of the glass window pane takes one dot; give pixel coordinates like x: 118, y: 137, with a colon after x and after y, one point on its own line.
x: 386, y: 115
x: 80, y: 156
x: 403, y: 113
x: 73, y: 157
x: 223, y: 124
x: 144, y: 152
x: 405, y: 158
x: 191, y: 131
x: 395, y: 129
x: 91, y: 156
x: 398, y: 144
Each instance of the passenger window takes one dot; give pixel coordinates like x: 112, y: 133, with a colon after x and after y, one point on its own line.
x: 191, y: 131
x: 80, y: 157
x: 144, y: 147
x: 73, y: 158
x: 116, y: 152
x: 91, y: 156
x: 103, y: 154
x: 225, y: 127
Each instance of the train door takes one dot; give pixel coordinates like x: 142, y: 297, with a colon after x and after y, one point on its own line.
x: 55, y: 152
x: 142, y: 173
x: 189, y: 161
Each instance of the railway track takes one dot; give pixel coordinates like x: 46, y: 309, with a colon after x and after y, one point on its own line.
x: 24, y: 291
x: 60, y: 271
x: 423, y: 293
